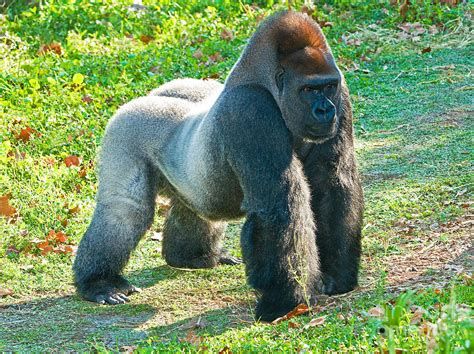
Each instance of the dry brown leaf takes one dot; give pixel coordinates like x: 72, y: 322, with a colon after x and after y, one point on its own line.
x: 25, y: 134
x: 292, y: 324
x: 315, y: 322
x: 61, y: 237
x: 404, y: 9
x: 5, y: 208
x: 72, y: 160
x: 12, y: 250
x: 214, y: 58
x: 87, y: 99
x: 297, y: 311
x: 376, y: 312
x: 146, y: 39
x: 192, y: 338
x: 5, y: 292
x: 198, y: 54
x: 128, y: 348
x: 45, y: 250
x: 74, y: 210
x: 417, y: 315
x: 225, y: 350
x: 227, y: 34
x: 51, y: 47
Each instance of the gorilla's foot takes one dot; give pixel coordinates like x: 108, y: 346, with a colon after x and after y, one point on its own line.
x: 333, y: 286
x: 112, y: 291
x: 268, y: 310
x: 202, y: 261
x: 226, y: 258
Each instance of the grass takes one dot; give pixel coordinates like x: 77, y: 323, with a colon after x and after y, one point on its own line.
x: 414, y: 142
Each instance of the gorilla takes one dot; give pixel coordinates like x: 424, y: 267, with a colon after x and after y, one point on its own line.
x: 274, y: 144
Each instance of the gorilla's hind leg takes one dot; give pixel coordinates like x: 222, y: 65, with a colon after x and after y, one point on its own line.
x: 124, y: 211
x: 192, y: 242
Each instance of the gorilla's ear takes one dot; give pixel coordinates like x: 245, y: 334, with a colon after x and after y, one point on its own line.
x: 279, y: 78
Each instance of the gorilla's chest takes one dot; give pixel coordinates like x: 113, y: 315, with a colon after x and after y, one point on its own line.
x: 198, y: 174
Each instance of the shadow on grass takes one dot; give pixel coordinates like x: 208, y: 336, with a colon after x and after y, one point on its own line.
x: 68, y: 322
x: 148, y: 277
x: 207, y: 324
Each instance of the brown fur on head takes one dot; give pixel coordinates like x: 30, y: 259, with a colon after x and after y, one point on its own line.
x: 301, y: 44
x: 293, y: 31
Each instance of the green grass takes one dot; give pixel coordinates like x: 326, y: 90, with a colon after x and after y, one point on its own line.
x: 414, y: 143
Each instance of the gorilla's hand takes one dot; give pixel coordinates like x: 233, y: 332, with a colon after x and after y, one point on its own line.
x: 227, y: 258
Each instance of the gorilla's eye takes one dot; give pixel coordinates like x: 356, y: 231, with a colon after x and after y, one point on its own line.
x: 330, y: 89
x: 310, y: 89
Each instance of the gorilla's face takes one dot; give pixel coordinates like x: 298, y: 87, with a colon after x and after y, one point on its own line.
x: 310, y: 90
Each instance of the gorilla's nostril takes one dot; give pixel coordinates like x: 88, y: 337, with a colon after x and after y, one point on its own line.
x: 324, y: 114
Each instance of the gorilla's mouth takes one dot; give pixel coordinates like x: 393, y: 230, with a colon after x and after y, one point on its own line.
x: 321, y: 130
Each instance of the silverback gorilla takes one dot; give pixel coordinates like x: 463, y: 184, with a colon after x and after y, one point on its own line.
x: 273, y: 144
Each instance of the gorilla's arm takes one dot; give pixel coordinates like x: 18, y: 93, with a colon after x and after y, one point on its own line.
x: 337, y: 204
x: 278, y: 236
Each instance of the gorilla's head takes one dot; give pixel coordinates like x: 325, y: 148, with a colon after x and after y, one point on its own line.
x: 308, y: 80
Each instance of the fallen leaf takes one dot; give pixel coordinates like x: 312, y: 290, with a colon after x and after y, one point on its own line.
x: 51, y: 235
x: 225, y: 350
x: 198, y: 54
x: 376, y: 312
x: 72, y: 160
x: 74, y: 210
x: 70, y: 249
x: 404, y: 9
x: 51, y: 47
x: 227, y: 34
x: 192, y: 338
x: 417, y: 315
x: 307, y: 10
x: 146, y: 39
x: 297, y: 311
x: 49, y: 161
x: 61, y: 237
x: 128, y: 348
x: 214, y: 58
x: 87, y: 99
x: 315, y: 322
x: 25, y: 134
x: 5, y: 292
x: 46, y: 250
x: 292, y: 324
x: 323, y: 24
x: 12, y: 250
x: 5, y: 208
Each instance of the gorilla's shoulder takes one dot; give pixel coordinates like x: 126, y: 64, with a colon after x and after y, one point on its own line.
x: 250, y: 100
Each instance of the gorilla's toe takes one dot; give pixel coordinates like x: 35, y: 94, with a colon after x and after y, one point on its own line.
x: 112, y: 291
x: 226, y: 258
